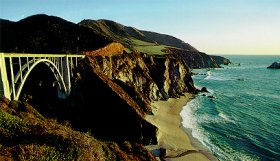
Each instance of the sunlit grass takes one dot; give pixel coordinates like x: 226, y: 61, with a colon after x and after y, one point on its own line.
x: 148, y: 47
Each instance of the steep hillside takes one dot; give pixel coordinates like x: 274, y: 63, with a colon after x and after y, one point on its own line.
x: 27, y: 135
x: 151, y: 43
x: 48, y: 34
x: 130, y: 36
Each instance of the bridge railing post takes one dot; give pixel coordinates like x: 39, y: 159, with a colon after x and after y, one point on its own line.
x: 4, y: 82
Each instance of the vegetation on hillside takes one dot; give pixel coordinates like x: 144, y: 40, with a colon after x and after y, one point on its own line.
x: 134, y: 39
x: 27, y: 135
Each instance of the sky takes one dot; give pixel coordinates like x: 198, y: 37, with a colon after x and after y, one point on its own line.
x: 211, y: 26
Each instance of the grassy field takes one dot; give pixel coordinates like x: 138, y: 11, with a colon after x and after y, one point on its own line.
x: 147, y: 47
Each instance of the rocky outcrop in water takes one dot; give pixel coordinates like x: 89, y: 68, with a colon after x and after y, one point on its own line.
x: 220, y: 60
x: 274, y: 65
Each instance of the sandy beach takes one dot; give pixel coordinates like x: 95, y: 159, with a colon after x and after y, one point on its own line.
x: 175, y: 143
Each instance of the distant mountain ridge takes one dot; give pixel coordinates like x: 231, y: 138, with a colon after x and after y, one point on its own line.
x: 47, y: 34
x: 119, y: 32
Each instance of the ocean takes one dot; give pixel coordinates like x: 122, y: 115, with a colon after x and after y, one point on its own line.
x: 239, y: 119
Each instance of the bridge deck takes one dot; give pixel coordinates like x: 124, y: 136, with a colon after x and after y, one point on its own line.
x: 40, y: 55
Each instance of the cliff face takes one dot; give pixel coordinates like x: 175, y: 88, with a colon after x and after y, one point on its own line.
x: 152, y: 78
x: 192, y: 59
x: 128, y: 82
x: 102, y: 106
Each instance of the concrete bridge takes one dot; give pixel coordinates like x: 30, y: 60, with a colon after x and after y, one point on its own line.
x: 15, y: 69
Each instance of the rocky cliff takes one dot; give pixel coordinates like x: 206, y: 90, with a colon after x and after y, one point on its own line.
x: 152, y: 77
x: 192, y: 59
x: 111, y: 94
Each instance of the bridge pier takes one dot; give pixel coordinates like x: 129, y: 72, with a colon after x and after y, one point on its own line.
x: 66, y: 75
x: 4, y: 83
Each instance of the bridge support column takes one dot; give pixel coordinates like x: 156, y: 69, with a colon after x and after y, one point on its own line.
x: 65, y: 71
x: 4, y: 82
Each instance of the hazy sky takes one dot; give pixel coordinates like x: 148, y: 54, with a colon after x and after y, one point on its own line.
x: 211, y: 26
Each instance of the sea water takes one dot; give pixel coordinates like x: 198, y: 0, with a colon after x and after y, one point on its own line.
x: 239, y: 119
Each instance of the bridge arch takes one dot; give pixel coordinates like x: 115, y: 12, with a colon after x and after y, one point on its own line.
x: 61, y: 65
x: 52, y: 67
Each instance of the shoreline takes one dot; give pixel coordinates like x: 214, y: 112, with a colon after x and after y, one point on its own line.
x: 174, y: 143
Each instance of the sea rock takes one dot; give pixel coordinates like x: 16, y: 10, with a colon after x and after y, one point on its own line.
x: 204, y: 89
x: 274, y: 65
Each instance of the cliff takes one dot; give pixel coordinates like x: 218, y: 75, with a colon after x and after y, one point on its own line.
x: 130, y: 82
x: 151, y: 77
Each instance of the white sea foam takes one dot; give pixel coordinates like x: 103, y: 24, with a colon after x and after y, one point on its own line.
x: 226, y: 118
x: 192, y: 122
x: 228, y: 153
x: 209, y: 74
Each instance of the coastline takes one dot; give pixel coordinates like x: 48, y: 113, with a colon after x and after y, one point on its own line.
x: 172, y: 138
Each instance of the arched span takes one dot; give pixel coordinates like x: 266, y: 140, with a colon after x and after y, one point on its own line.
x: 54, y: 70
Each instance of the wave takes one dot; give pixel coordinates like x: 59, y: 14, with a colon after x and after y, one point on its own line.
x: 209, y: 74
x: 193, y: 121
x: 219, y: 77
x: 226, y: 118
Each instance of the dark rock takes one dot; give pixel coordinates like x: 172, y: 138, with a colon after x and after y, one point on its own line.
x: 204, y: 89
x: 274, y: 65
x: 221, y: 60
x: 211, y: 96
x: 162, y: 152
